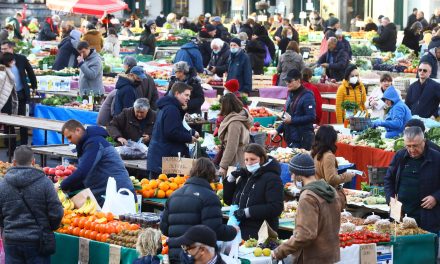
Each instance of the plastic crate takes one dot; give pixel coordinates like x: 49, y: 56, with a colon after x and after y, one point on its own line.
x: 359, y: 123
x: 376, y: 175
x: 265, y: 121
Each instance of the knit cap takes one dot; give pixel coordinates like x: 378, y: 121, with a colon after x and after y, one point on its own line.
x: 332, y: 21
x: 130, y: 61
x: 236, y: 41
x: 302, y: 165
x: 232, y: 85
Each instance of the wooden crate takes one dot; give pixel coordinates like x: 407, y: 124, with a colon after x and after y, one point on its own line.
x: 261, y: 81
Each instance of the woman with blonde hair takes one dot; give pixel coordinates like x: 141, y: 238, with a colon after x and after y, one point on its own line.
x: 148, y: 246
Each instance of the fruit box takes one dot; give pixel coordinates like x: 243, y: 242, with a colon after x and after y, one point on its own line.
x: 265, y: 121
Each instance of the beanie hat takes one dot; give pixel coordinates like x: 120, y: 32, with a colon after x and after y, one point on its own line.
x: 130, y: 61
x: 236, y: 41
x: 348, y: 70
x: 332, y: 21
x: 232, y: 85
x: 302, y: 165
x: 210, y: 27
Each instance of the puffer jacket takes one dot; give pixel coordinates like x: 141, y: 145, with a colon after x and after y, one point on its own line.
x: 396, y: 117
x: 240, y: 69
x: 256, y: 53
x: 260, y: 192
x: 193, y: 204
x: 19, y: 226
x: 48, y: 31
x: 95, y: 40
x: 126, y: 93
x: 112, y: 45
x: 387, y: 38
x: 204, y: 43
x: 7, y: 91
x: 220, y: 60
x: 337, y: 60
x: 377, y: 111
x: 67, y: 52
x: 190, y: 54
x: 346, y: 92
x: 288, y: 61
x: 423, y: 98
x: 234, y: 135
x: 90, y: 74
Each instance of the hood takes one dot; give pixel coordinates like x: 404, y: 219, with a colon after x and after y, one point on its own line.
x: 391, y: 94
x: 432, y: 52
x: 21, y: 177
x: 167, y: 100
x: 271, y: 165
x: 190, y: 45
x: 91, y: 131
x: 124, y: 79
x: 93, y: 32
x: 75, y: 36
x: 243, y: 117
x: 93, y: 55
x: 322, y: 189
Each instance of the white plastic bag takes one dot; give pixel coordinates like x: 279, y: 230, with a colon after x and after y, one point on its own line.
x: 208, y: 142
x: 229, y: 250
x: 118, y: 202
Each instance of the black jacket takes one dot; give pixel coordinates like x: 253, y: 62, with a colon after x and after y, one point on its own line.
x: 336, y: 69
x: 387, y: 38
x: 160, y: 21
x: 423, y: 99
x: 47, y: 32
x: 193, y: 204
x: 256, y: 53
x: 147, y: 89
x: 205, y: 47
x: 234, y: 29
x: 65, y: 51
x: 247, y: 29
x: 221, y: 60
x: 431, y: 59
x: 261, y: 192
x: 222, y: 33
x: 269, y: 43
x: 26, y: 72
x: 411, y: 40
x: 197, y: 95
x: 411, y: 19
x: 435, y: 42
x: 148, y: 40
x: 370, y: 27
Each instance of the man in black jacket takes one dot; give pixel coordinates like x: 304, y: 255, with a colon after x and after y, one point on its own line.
x: 220, y: 57
x: 335, y: 60
x: 419, y: 123
x: 412, y: 18
x: 388, y: 36
x: 22, y: 72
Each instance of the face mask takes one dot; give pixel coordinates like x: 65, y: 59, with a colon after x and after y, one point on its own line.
x: 234, y: 50
x: 353, y: 80
x: 216, y: 51
x: 299, y: 184
x: 253, y: 168
x: 289, y: 36
x: 55, y: 23
x: 161, y: 16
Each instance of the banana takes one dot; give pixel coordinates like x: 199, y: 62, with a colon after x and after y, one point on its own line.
x: 62, y: 196
x: 92, y: 208
x: 71, y: 205
x: 81, y: 210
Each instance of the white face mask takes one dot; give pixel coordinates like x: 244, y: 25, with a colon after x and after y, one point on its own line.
x: 353, y: 80
x: 253, y: 168
x: 289, y: 36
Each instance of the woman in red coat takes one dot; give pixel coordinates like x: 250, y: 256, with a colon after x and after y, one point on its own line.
x: 306, y: 76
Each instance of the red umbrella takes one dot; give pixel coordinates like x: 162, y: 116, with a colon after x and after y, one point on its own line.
x: 87, y: 7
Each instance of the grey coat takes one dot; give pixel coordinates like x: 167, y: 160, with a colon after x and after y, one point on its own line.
x: 288, y: 61
x: 90, y: 75
x: 105, y: 114
x: 17, y: 222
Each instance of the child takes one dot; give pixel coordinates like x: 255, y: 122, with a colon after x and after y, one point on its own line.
x: 149, y: 245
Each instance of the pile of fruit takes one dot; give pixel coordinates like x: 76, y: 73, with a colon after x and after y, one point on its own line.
x: 260, y: 112
x: 59, y: 172
x: 284, y: 155
x: 80, y: 105
x: 163, y: 187
x: 362, y: 237
x: 65, y: 201
x: 136, y: 183
x: 126, y: 238
x: 4, y: 166
x: 256, y: 127
x: 56, y: 100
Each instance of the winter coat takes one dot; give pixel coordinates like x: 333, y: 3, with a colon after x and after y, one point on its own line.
x: 220, y: 60
x: 370, y: 27
x: 411, y: 19
x: 234, y: 135
x: 330, y: 32
x: 429, y: 184
x: 18, y: 223
x: 190, y: 54
x: 149, y: 40
x: 126, y: 125
x: 240, y: 69
x: 288, y: 61
x: 126, y: 93
x: 246, y: 28
x: 8, y: 94
x: 269, y: 44
x: 112, y: 45
x: 327, y: 169
x: 105, y: 114
x: 222, y: 33
x: 97, y: 161
x: 90, y: 74
x: 205, y: 47
x: 396, y: 117
x: 256, y: 53
x: 4, y: 35
x: 300, y: 105
x: 377, y: 111
x: 345, y: 44
x: 193, y: 204
x: 431, y: 59
x: 261, y: 193
x: 27, y: 74
x: 423, y: 99
x: 387, y: 38
x: 411, y: 40
x: 234, y: 28
x: 197, y: 97
x: 66, y: 54
x: 147, y: 89
x: 48, y: 31
x: 147, y: 260
x: 434, y: 21
x: 346, y: 92
x: 169, y: 135
x: 435, y: 42
x: 95, y: 40
x: 337, y: 60
x: 318, y: 100
x: 317, y: 226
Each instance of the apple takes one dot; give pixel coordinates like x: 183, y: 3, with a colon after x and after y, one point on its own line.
x: 257, y: 124
x: 67, y: 172
x: 52, y: 171
x: 60, y: 167
x: 59, y: 173
x: 71, y: 167
x: 46, y: 170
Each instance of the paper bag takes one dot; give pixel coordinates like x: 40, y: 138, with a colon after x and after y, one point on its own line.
x: 265, y: 233
x: 395, y: 209
x: 176, y: 165
x: 80, y: 198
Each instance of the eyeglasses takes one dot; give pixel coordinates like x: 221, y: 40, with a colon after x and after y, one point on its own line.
x: 423, y: 70
x: 414, y: 146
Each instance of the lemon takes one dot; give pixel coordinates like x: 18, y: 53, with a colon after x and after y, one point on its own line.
x: 258, y: 252
x: 266, y: 252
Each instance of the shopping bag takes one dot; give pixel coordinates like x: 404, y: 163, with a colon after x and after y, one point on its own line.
x: 229, y: 249
x: 80, y: 198
x: 133, y: 150
x: 118, y: 202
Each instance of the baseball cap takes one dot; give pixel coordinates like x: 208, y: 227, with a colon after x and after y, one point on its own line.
x: 197, y: 234
x: 293, y: 74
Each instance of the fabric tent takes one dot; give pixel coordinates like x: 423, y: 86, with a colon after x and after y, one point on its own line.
x: 87, y: 7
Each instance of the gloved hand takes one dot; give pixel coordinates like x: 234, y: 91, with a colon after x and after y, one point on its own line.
x: 375, y: 124
x: 240, y: 215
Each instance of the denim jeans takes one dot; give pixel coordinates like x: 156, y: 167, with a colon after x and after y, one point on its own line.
x: 24, y: 254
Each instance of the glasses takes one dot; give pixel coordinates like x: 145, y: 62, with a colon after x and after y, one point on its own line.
x: 414, y: 146
x: 423, y: 70
x: 187, y: 248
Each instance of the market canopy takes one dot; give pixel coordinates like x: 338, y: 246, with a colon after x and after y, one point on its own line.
x: 87, y: 7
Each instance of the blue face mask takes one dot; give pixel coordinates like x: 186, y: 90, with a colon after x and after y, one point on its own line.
x: 253, y: 168
x: 216, y: 51
x: 234, y: 50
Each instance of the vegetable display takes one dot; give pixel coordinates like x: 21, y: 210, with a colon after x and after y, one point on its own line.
x: 361, y: 50
x: 349, y: 106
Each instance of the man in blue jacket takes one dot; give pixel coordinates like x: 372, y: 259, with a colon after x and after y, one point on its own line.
x: 240, y: 67
x: 335, y: 60
x: 300, y: 113
x: 190, y: 54
x: 397, y: 115
x: 97, y: 161
x: 423, y: 96
x: 414, y: 178
x: 169, y: 134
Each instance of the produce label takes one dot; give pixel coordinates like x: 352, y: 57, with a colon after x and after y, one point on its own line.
x: 83, y: 251
x: 368, y: 254
x: 175, y: 165
x: 114, y: 254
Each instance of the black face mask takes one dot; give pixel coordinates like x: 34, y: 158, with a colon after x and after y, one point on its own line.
x: 159, y: 250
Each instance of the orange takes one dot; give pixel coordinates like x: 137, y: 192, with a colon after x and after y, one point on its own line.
x: 165, y: 250
x: 146, y: 187
x: 104, y: 237
x: 109, y: 216
x: 81, y: 232
x: 179, y: 180
x: 168, y: 193
x: 160, y: 194
x: 163, y: 177
x: 164, y: 186
x: 171, y: 179
x: 173, y: 186
x: 153, y: 184
x: 99, y: 215
x: 212, y: 186
x: 219, y: 186
x: 75, y: 231
x: 93, y: 235
x: 144, y: 181
x: 98, y: 236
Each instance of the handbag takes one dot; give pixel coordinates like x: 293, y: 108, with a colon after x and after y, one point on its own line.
x: 47, y: 243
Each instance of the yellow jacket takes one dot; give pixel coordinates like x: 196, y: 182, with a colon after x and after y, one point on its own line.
x: 347, y: 93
